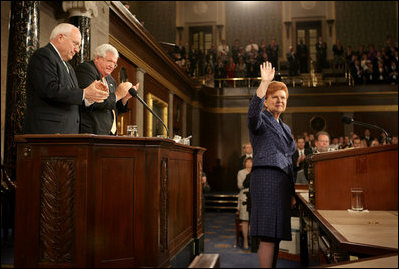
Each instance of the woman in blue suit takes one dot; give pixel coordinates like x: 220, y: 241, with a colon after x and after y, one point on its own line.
x: 272, y: 183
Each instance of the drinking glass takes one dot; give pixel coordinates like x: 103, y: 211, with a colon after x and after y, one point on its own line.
x: 357, y: 199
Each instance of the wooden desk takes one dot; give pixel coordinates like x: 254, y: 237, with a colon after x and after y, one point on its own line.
x: 107, y: 201
x: 340, y: 233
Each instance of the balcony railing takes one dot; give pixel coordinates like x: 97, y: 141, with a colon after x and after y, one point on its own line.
x: 293, y: 81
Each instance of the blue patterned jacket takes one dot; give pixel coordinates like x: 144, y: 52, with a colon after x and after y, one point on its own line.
x: 269, y: 143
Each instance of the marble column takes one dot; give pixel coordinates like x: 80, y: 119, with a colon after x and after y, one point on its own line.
x: 80, y: 14
x: 139, y: 106
x: 23, y: 42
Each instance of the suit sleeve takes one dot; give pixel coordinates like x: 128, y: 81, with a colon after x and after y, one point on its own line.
x: 120, y: 107
x: 255, y: 115
x: 295, y: 160
x: 46, y: 80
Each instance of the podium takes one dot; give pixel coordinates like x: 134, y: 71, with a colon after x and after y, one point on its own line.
x: 375, y: 170
x: 107, y: 201
x: 329, y: 232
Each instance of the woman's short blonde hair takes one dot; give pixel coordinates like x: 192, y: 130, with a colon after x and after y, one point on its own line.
x: 275, y: 86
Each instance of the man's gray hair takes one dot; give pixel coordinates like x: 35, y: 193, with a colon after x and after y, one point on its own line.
x: 62, y: 28
x: 102, y: 50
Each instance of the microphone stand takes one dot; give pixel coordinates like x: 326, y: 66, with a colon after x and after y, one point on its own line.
x: 388, y: 135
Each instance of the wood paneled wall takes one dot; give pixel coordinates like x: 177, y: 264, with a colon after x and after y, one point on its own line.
x: 222, y: 135
x: 386, y: 120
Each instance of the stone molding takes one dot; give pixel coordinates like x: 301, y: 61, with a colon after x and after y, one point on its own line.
x: 80, y: 8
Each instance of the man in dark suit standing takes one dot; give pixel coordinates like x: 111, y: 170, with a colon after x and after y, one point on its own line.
x: 292, y: 62
x: 321, y: 55
x: 247, y: 148
x: 101, y: 118
x: 298, y: 160
x: 53, y: 94
x: 302, y: 52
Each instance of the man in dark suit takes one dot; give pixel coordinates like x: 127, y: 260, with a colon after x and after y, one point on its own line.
x: 298, y: 159
x: 101, y: 118
x: 247, y: 148
x: 292, y: 62
x: 272, y: 52
x: 53, y: 94
x: 321, y: 55
x: 322, y: 142
x: 302, y: 52
x: 367, y: 136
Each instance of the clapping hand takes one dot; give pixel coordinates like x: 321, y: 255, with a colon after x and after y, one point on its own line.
x: 96, y: 92
x: 128, y: 96
x: 122, y: 90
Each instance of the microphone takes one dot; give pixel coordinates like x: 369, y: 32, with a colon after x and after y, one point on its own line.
x: 133, y: 93
x: 348, y: 120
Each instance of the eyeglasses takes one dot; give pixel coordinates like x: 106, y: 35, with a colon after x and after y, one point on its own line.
x: 75, y: 43
x: 110, y: 62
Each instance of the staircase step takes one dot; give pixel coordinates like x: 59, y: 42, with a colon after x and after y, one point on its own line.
x: 221, y: 201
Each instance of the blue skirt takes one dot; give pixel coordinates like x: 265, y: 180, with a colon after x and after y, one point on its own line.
x: 270, y: 203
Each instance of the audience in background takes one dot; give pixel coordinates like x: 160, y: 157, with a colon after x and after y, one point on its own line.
x: 367, y: 65
x: 344, y: 142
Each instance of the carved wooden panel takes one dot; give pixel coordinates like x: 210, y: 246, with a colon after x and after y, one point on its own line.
x: 57, y: 189
x: 163, y: 205
x: 200, y: 196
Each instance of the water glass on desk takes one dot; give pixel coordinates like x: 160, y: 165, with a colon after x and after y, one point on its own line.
x: 132, y: 130
x: 357, y: 199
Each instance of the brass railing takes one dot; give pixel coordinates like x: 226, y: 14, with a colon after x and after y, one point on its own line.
x: 311, y: 79
x: 289, y: 80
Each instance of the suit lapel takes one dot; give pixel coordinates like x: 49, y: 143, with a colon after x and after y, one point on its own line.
x: 273, y: 121
x: 110, y: 83
x: 281, y: 130
x: 71, y: 74
x: 276, y: 127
